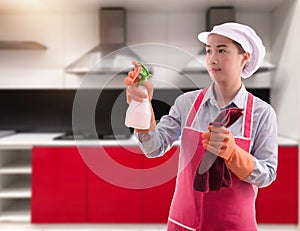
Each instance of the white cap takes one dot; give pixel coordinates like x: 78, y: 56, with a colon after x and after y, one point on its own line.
x: 246, y: 37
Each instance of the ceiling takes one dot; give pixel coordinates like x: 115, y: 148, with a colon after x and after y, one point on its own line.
x: 69, y: 6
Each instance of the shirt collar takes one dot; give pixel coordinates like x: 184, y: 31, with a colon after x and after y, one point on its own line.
x: 239, y: 100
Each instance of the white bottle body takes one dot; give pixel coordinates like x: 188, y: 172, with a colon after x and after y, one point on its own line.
x: 138, y: 114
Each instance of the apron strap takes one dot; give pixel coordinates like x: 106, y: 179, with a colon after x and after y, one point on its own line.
x: 248, y: 116
x: 195, y: 107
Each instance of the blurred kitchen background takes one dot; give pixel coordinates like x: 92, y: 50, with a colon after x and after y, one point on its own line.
x: 51, y: 48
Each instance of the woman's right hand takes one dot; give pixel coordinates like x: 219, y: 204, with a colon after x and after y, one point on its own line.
x: 133, y: 92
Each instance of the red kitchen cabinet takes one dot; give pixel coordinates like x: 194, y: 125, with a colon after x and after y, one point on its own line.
x: 132, y: 202
x: 107, y: 202
x: 58, y: 186
x: 101, y: 185
x: 278, y: 203
x: 121, y: 185
x: 157, y: 200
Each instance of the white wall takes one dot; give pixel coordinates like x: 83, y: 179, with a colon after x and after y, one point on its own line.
x: 285, y: 95
x: 68, y: 36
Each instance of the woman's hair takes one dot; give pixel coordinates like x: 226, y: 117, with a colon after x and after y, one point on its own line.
x: 240, y: 50
x: 239, y: 47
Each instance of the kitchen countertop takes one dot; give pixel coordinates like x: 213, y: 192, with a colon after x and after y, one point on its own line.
x: 28, y: 140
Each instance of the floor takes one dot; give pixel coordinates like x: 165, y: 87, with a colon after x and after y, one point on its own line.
x: 119, y: 227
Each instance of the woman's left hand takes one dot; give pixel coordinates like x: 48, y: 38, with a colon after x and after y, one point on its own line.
x: 219, y: 141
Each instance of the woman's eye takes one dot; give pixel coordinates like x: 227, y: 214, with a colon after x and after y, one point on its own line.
x: 222, y: 51
x: 208, y: 51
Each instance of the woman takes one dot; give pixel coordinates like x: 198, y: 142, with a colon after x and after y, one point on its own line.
x: 248, y: 147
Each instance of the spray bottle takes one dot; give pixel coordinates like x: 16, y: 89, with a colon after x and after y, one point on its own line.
x: 138, y: 114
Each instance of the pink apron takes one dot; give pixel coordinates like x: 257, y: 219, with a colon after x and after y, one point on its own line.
x: 230, y: 209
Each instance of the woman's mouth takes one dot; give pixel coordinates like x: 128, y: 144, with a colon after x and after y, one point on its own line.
x: 213, y: 70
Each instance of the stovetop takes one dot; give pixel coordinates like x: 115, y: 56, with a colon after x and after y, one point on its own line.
x: 72, y: 136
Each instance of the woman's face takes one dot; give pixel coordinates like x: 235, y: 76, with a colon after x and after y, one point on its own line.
x: 224, y: 61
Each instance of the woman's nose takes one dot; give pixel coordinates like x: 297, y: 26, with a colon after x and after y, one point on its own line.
x: 212, y: 60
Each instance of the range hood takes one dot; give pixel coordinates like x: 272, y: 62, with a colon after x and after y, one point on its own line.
x: 217, y: 15
x: 111, y: 55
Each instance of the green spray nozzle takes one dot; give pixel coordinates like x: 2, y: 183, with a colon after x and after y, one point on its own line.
x: 144, y: 73
x: 140, y: 71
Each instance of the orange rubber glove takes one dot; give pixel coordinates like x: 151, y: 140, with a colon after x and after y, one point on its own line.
x: 221, y: 142
x: 132, y: 76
